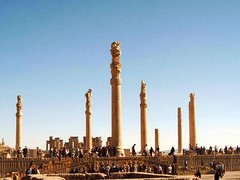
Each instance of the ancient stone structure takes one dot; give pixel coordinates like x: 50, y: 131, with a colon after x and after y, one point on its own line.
x: 54, y: 143
x: 88, y: 113
x: 115, y: 82
x: 97, y: 142
x: 156, y: 138
x: 179, y: 130
x: 143, y: 116
x: 192, y: 121
x: 73, y: 142
x: 19, y: 115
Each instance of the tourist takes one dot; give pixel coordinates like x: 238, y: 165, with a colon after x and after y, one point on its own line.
x: 39, y: 153
x: 35, y: 170
x: 170, y: 169
x: 151, y: 151
x: 25, y: 151
x: 157, y: 151
x: 198, y: 174
x: 133, y: 150
x: 145, y: 151
x: 185, y: 164
x: 217, y: 175
x: 171, y: 152
x: 19, y: 153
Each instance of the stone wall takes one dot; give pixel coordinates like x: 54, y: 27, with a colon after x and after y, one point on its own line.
x: 48, y: 165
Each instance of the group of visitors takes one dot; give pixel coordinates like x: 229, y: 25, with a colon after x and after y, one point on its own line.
x: 127, y: 167
x: 203, y: 151
x: 32, y: 169
x: 219, y: 168
x: 101, y: 151
x: 146, y: 152
x: 22, y: 152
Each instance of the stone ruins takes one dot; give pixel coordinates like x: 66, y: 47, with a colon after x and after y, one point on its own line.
x: 19, y: 115
x: 116, y: 139
x: 194, y: 156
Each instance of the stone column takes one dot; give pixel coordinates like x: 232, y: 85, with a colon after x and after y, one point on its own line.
x: 156, y: 138
x: 88, y: 113
x: 19, y: 115
x: 143, y: 116
x: 115, y: 82
x: 179, y: 130
x: 192, y: 121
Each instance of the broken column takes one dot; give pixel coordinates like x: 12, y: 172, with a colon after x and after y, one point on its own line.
x: 143, y: 116
x: 179, y: 130
x: 19, y: 115
x: 156, y: 138
x: 192, y: 121
x: 88, y: 113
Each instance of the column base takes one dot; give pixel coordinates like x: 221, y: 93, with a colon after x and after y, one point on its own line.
x: 120, y: 152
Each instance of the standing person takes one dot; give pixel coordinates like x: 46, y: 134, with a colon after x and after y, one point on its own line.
x: 151, y: 151
x: 145, y: 152
x: 217, y: 175
x: 19, y: 153
x: 198, y: 174
x: 133, y: 150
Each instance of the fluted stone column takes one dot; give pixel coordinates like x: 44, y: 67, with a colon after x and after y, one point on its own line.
x: 143, y: 116
x: 88, y: 113
x: 156, y: 138
x: 19, y: 115
x: 115, y: 82
x: 192, y: 121
x: 179, y: 130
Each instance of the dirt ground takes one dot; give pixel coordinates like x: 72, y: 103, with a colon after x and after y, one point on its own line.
x: 231, y: 175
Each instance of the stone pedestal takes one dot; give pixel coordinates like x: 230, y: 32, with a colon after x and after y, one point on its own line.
x: 192, y: 121
x: 180, y: 130
x: 19, y: 115
x: 143, y: 116
x: 115, y: 82
x: 88, y: 113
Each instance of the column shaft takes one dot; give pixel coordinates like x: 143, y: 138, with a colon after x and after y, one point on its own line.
x: 115, y: 82
x: 143, y: 116
x: 192, y: 121
x: 179, y: 130
x: 19, y: 115
x: 88, y: 113
x: 156, y: 138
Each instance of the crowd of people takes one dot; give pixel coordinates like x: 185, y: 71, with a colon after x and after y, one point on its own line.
x: 107, y: 151
x: 128, y: 167
x: 211, y: 150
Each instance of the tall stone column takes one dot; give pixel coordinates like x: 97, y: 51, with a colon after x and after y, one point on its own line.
x: 156, y: 138
x: 143, y: 116
x: 192, y: 121
x: 88, y: 113
x: 179, y: 130
x: 115, y: 82
x: 19, y: 115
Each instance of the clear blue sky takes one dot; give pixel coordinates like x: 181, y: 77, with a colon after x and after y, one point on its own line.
x: 52, y: 52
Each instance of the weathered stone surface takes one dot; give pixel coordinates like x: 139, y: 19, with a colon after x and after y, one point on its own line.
x: 42, y: 177
x: 115, y: 82
x: 88, y: 113
x: 180, y: 150
x: 143, y: 116
x: 19, y: 115
x: 192, y: 121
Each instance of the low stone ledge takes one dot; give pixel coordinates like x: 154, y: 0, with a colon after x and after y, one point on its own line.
x: 117, y: 175
x: 42, y: 177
